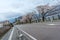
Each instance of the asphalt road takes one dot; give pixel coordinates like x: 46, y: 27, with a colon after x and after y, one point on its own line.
x: 6, y: 36
x: 43, y: 31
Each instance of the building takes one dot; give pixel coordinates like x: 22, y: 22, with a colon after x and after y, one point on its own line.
x: 1, y: 24
x: 6, y: 22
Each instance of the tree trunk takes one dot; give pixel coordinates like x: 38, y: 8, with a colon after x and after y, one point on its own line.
x: 43, y: 19
x: 30, y: 20
x: 58, y: 16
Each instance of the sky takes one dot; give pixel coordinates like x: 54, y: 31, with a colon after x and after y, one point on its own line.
x: 14, y: 8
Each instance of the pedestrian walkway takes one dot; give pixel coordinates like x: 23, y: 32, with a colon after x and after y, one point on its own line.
x: 6, y: 36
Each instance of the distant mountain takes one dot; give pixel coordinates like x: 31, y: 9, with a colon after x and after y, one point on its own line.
x: 13, y: 15
x: 12, y: 20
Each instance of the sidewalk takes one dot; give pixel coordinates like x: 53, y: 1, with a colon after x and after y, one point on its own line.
x: 6, y: 36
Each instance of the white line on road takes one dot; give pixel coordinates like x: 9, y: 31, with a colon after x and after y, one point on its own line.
x: 27, y: 34
x: 11, y: 34
x: 51, y: 24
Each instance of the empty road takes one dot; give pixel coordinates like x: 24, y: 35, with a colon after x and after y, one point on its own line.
x: 43, y: 31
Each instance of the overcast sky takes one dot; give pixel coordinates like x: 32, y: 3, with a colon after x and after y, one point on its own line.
x: 12, y: 8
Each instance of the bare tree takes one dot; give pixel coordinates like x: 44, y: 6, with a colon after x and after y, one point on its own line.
x: 29, y: 17
x: 42, y: 10
x: 54, y: 10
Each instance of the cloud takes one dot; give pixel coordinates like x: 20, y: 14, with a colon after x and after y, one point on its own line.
x: 21, y: 5
x: 13, y: 8
x: 2, y: 18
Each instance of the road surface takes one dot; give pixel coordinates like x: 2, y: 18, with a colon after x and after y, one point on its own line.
x: 6, y: 36
x: 43, y: 31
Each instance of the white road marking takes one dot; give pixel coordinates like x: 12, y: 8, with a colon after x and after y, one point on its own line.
x: 27, y: 34
x: 20, y: 35
x: 11, y: 34
x: 51, y: 24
